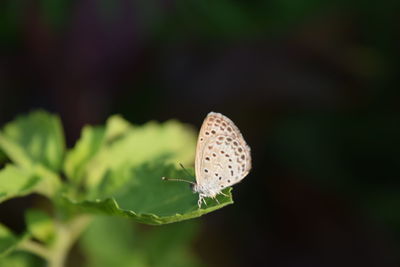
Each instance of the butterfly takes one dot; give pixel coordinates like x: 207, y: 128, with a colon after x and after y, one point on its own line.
x: 222, y: 157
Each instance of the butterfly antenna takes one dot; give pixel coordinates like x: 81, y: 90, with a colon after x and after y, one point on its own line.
x: 185, y: 170
x: 177, y: 180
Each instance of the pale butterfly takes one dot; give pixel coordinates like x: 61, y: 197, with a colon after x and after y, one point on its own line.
x: 222, y: 157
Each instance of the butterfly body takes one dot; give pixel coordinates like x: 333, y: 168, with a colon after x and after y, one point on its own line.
x: 222, y: 156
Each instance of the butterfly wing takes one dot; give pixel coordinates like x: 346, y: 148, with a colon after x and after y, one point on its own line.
x: 222, y: 156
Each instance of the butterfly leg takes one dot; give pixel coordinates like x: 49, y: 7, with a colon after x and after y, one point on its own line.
x: 223, y: 194
x: 199, y: 201
x: 216, y: 199
x: 205, y: 203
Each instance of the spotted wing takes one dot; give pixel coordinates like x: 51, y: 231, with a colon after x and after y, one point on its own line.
x: 225, y: 162
x: 222, y: 156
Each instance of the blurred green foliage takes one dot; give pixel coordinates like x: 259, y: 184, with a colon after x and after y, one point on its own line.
x: 114, y: 241
x: 8, y: 241
x: 40, y: 225
x: 34, y: 138
x: 113, y: 170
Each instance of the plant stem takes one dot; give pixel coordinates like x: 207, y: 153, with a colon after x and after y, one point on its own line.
x: 35, y: 248
x: 66, y: 235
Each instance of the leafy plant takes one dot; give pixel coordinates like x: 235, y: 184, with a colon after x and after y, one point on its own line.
x: 112, y: 170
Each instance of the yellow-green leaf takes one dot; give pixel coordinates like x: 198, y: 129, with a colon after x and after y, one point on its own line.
x: 32, y: 139
x: 16, y: 182
x: 40, y: 225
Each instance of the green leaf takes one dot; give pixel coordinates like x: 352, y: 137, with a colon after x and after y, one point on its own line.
x: 103, y: 150
x: 171, y: 141
x: 84, y: 150
x: 16, y: 182
x: 40, y: 225
x: 92, y: 140
x: 150, y: 200
x: 118, y: 242
x: 120, y: 168
x: 32, y: 139
x: 21, y: 259
x: 8, y: 240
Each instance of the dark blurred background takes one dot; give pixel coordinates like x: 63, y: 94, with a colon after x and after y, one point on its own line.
x: 313, y: 85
